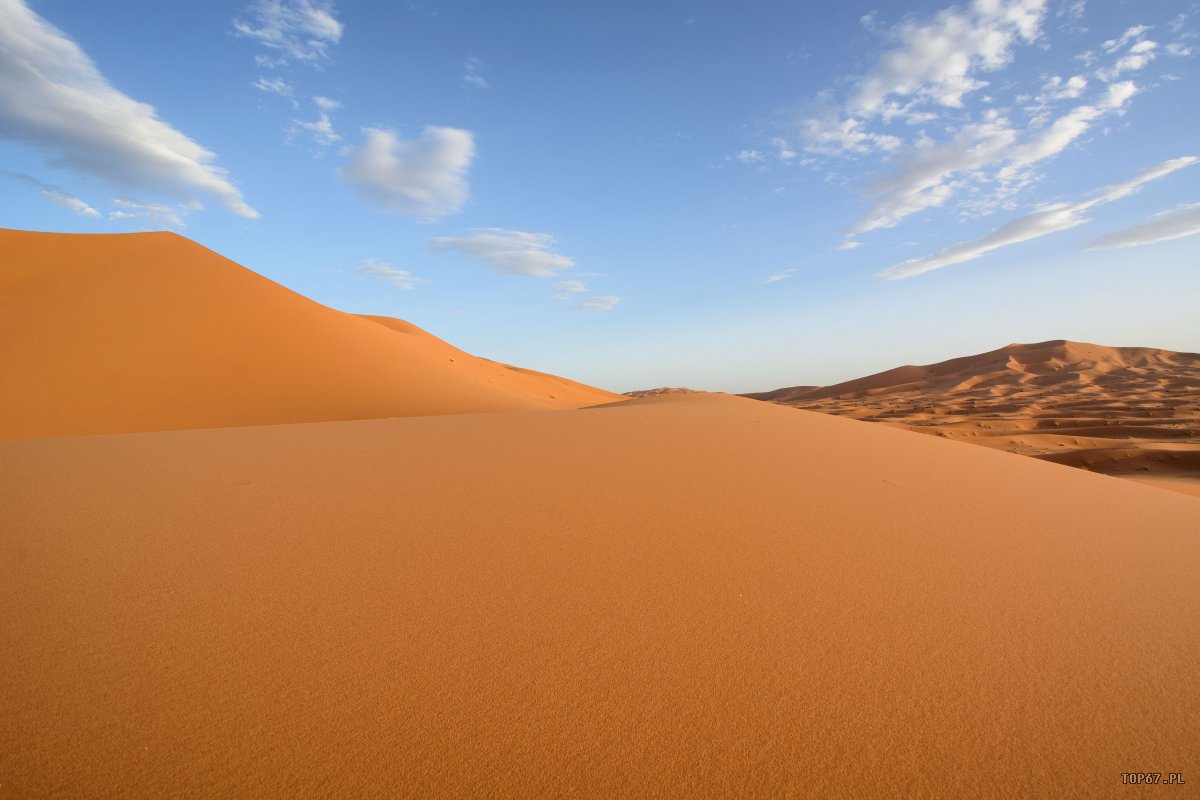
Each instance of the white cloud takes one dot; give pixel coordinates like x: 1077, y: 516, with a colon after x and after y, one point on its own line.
x: 1072, y: 10
x: 1043, y: 221
x: 295, y: 30
x: 53, y: 97
x: 750, y: 156
x: 927, y: 177
x: 1131, y: 35
x: 563, y: 290
x: 1138, y: 56
x: 424, y: 177
x: 849, y: 244
x: 321, y: 129
x: 829, y: 135
x: 70, y: 201
x: 471, y: 76
x: 276, y: 86
x: 936, y: 60
x: 782, y: 275
x: 509, y: 252
x: 600, y: 302
x: 383, y: 271
x: 935, y: 63
x: 1160, y: 228
x: 1067, y: 128
x: 1057, y: 89
x: 326, y: 104
x: 54, y: 194
x: 155, y: 215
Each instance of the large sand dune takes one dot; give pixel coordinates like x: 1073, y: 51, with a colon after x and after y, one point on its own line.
x: 682, y: 596
x: 1128, y: 411
x: 151, y: 331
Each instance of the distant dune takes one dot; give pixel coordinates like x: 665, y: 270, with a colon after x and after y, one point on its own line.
x: 692, y: 595
x: 1128, y: 411
x: 151, y: 331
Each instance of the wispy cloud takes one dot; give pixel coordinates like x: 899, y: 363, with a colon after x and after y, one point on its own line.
x: 326, y: 104
x: 1056, y: 88
x: 1161, y: 227
x: 509, y: 252
x: 782, y: 275
x: 54, y: 194
x: 932, y: 172
x: 276, y: 86
x: 1136, y: 52
x: 54, y: 98
x: 321, y: 129
x: 424, y: 177
x: 383, y: 271
x: 1053, y: 140
x: 600, y: 302
x: 154, y: 215
x: 565, y: 290
x: 292, y: 30
x: 1046, y: 220
x: 939, y: 60
x: 472, y: 69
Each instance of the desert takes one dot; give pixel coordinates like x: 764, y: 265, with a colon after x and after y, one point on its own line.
x: 1127, y: 411
x: 676, y: 595
x: 685, y: 400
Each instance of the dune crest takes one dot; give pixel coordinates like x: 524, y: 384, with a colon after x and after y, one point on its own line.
x: 118, y: 333
x: 1127, y: 411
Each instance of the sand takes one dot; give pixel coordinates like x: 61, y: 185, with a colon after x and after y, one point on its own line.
x: 682, y: 596
x: 1125, y: 411
x: 315, y: 554
x: 150, y: 331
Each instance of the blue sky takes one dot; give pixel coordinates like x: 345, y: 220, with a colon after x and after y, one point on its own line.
x: 728, y: 196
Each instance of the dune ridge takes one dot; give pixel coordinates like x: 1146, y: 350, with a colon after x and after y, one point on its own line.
x: 1126, y: 411
x: 118, y: 333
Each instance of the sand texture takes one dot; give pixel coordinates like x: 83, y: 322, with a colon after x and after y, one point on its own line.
x: 682, y: 596
x: 151, y: 331
x: 1126, y: 411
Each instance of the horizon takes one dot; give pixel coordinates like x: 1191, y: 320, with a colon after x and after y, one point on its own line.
x: 697, y: 199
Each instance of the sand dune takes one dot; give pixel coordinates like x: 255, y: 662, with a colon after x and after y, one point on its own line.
x: 150, y: 331
x: 684, y: 596
x: 1118, y: 410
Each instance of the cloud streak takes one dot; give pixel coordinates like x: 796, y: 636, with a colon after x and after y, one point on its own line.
x: 54, y: 98
x: 600, y: 302
x: 1160, y: 228
x: 383, y: 271
x: 54, y: 194
x: 509, y: 252
x: 1046, y: 220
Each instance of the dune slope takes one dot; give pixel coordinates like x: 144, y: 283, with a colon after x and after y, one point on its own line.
x: 1128, y: 411
x: 681, y: 596
x: 141, y: 332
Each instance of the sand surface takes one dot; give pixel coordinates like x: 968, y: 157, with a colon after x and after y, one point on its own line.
x: 150, y: 331
x: 1125, y: 411
x: 681, y: 596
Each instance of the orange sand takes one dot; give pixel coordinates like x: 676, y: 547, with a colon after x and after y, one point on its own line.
x: 1127, y: 411
x: 681, y: 596
x: 151, y: 331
